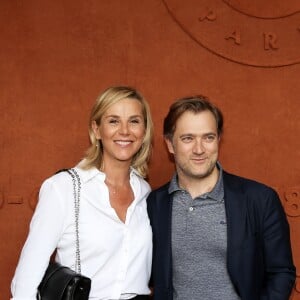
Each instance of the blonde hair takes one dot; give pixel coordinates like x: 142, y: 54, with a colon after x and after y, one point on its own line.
x: 112, y: 95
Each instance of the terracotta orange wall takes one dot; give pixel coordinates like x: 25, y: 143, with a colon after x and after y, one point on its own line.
x: 57, y: 56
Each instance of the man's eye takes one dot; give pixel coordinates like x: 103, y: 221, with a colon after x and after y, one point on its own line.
x: 210, y: 138
x: 187, y: 139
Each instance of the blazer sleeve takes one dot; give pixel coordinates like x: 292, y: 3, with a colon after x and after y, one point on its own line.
x: 279, y: 268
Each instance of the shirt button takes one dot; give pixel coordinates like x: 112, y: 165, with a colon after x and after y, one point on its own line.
x: 191, y: 208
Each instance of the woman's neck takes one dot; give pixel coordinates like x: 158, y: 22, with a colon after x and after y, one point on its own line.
x: 117, y: 174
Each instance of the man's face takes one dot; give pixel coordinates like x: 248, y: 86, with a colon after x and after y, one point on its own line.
x: 195, y: 145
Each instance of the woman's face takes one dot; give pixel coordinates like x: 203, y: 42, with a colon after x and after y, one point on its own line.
x: 121, y: 131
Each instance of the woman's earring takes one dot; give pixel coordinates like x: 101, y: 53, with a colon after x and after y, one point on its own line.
x: 98, y: 144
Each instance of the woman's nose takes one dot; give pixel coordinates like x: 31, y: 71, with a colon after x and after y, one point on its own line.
x: 124, y: 128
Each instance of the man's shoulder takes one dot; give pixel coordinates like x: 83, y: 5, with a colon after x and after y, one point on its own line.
x: 161, y: 189
x: 159, y: 193
x: 159, y: 202
x: 244, y: 183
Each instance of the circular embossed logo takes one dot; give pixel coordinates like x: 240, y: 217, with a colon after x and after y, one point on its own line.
x: 254, y: 32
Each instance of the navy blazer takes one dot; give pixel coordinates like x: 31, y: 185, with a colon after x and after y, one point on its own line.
x: 259, y: 258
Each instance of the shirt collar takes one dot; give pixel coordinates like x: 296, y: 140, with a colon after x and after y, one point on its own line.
x: 217, y: 193
x: 86, y: 175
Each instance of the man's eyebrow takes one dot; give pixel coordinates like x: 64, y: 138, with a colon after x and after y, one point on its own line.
x: 186, y: 134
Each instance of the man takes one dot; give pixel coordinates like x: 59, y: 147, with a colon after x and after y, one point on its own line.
x: 216, y: 236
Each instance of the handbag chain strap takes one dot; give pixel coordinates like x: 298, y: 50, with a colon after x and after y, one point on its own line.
x: 76, y: 193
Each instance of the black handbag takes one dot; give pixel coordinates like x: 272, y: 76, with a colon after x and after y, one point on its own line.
x: 60, y: 282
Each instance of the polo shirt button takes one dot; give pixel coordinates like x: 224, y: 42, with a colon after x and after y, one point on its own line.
x: 191, y: 208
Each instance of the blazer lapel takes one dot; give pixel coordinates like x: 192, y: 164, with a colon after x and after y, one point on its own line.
x: 164, y: 214
x: 236, y: 212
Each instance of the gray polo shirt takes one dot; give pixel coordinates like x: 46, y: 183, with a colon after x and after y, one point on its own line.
x: 199, y: 242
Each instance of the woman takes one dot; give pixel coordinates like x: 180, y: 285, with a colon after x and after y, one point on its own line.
x: 114, y: 230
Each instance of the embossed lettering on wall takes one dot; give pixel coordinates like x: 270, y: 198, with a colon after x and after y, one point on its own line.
x: 292, y: 204
x: 257, y: 33
x: 290, y: 198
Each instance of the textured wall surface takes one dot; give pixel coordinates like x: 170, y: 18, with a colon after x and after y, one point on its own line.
x: 57, y: 56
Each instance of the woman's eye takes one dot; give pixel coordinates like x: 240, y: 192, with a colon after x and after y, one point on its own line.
x: 113, y: 121
x: 135, y: 121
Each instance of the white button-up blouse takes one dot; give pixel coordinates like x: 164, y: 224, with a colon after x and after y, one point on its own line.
x: 115, y: 255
